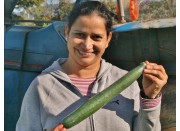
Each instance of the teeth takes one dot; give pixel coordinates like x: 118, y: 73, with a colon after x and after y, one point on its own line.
x: 84, y: 53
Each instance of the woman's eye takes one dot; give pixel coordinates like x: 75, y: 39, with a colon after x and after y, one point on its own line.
x: 97, y: 37
x: 81, y: 35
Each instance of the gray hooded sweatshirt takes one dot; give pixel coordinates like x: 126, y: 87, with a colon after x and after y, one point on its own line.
x: 52, y: 96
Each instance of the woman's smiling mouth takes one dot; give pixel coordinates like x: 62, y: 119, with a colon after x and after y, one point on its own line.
x: 85, y: 54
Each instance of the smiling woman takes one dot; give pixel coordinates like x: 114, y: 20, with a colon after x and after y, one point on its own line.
x: 88, y: 35
x: 86, y: 40
x: 59, y: 89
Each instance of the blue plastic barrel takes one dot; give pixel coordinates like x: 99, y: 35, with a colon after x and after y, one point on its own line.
x: 28, y: 50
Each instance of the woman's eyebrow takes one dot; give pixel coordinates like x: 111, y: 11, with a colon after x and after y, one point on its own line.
x: 79, y: 31
x: 98, y: 34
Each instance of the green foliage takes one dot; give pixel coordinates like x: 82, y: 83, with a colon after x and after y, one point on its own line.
x: 35, y: 9
x: 63, y: 9
x: 39, y: 10
x: 111, y: 5
x: 29, y: 3
x: 157, y: 10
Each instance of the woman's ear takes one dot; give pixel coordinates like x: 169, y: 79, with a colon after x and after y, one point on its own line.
x: 109, y: 39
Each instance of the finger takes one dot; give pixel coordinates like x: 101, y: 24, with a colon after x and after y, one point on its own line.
x: 156, y: 73
x: 59, y: 128
x: 160, y: 68
x: 151, y: 66
x: 157, y: 67
x: 154, y: 66
x: 154, y: 79
x: 64, y: 129
x: 149, y: 63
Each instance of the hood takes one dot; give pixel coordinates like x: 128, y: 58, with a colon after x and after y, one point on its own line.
x: 56, y: 69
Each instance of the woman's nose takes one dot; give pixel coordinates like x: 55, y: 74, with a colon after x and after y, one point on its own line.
x: 88, y: 43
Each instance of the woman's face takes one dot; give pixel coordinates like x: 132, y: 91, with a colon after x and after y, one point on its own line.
x: 87, y: 40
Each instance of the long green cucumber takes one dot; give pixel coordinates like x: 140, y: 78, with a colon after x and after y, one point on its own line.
x: 102, y: 98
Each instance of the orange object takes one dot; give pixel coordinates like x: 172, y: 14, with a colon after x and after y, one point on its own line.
x: 133, y: 10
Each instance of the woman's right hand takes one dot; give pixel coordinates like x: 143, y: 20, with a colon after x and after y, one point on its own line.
x: 59, y: 127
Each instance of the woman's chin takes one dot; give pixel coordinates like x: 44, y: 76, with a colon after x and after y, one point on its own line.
x: 86, y: 62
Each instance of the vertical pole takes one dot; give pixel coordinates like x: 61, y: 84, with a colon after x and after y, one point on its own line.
x: 121, y: 9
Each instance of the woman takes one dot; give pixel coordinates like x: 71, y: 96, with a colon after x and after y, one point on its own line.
x: 68, y: 83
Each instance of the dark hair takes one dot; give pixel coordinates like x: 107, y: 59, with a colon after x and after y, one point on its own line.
x: 87, y: 8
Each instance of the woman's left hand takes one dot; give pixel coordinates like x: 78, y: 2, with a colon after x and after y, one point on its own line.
x: 154, y: 78
x: 59, y: 127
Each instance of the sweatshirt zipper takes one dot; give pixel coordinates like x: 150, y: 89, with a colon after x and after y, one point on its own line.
x: 75, y: 90
x: 91, y: 119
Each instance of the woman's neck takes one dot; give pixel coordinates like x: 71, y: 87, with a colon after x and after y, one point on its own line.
x: 76, y: 70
